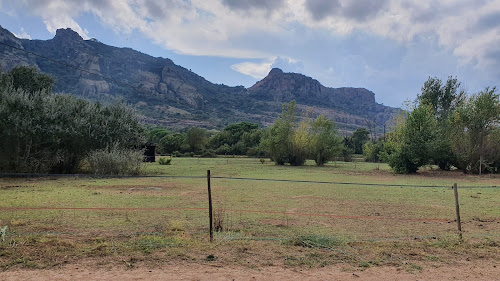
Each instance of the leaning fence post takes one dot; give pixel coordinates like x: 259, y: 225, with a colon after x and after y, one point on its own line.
x: 457, y: 207
x: 210, y: 207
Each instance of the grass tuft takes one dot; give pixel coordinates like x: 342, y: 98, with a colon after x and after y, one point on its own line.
x: 317, y: 241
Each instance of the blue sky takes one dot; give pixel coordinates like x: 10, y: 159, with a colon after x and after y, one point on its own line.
x: 389, y: 47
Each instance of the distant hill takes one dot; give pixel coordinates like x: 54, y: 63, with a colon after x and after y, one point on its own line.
x: 173, y: 96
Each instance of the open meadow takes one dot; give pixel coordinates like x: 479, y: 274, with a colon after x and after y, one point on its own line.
x: 359, y: 214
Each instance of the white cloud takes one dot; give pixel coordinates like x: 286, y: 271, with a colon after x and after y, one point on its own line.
x: 255, y: 70
x: 54, y: 24
x: 22, y: 34
x: 259, y: 30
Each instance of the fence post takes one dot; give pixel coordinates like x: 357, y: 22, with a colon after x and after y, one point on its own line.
x: 210, y: 207
x: 457, y: 207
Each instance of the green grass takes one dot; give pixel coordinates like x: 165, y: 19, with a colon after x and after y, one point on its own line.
x: 328, y: 215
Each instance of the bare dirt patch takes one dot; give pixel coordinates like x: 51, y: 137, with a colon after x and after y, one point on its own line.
x: 187, y: 271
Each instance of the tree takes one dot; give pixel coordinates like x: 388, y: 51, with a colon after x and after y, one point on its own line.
x: 173, y: 142
x: 325, y: 143
x: 278, y: 138
x: 43, y: 132
x: 409, y: 146
x: 156, y: 134
x: 236, y: 138
x: 195, y: 139
x: 299, y: 146
x: 358, y: 139
x: 475, y: 125
x: 443, y: 100
x: 28, y: 79
x: 371, y: 151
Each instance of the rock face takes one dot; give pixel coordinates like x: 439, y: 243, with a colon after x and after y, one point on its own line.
x: 171, y: 95
x: 357, y: 105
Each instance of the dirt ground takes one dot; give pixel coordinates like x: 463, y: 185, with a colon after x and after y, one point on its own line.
x: 186, y: 271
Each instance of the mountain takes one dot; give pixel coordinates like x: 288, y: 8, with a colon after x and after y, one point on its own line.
x: 173, y: 96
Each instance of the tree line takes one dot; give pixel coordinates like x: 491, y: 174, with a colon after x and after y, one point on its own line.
x: 285, y: 142
x: 59, y: 133
x: 447, y: 128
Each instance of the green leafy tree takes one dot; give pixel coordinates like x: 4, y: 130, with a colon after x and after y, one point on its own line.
x: 409, y: 146
x: 278, y: 138
x: 236, y: 138
x: 195, y: 139
x: 325, y: 142
x: 371, y: 151
x: 299, y: 146
x: 28, y: 79
x: 358, y: 139
x: 155, y: 135
x: 443, y: 100
x: 475, y: 125
x: 173, y: 142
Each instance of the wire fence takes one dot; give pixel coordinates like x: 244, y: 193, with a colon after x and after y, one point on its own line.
x: 380, y: 220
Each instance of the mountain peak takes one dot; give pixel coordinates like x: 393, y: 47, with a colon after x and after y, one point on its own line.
x: 67, y: 34
x: 275, y: 71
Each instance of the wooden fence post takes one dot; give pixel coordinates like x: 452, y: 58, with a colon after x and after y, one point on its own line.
x: 210, y: 207
x: 457, y: 207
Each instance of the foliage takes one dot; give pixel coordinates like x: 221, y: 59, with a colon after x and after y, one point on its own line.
x: 409, y: 146
x: 289, y: 143
x: 43, y: 132
x: 325, y: 142
x: 443, y: 101
x: 358, y: 139
x: 475, y: 131
x: 371, y: 151
x: 155, y: 135
x: 208, y: 154
x: 195, y: 139
x: 278, y: 138
x: 236, y: 139
x: 164, y: 161
x: 299, y: 148
x: 174, y: 142
x: 115, y: 160
x: 27, y: 79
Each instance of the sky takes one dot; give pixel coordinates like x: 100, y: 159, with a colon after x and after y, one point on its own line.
x: 389, y: 47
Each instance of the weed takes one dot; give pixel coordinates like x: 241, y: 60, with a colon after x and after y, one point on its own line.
x: 18, y: 222
x: 219, y: 220
x: 176, y: 225
x: 317, y: 241
x: 164, y: 161
x: 364, y: 264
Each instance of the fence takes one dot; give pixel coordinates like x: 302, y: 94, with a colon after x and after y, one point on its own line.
x: 381, y: 219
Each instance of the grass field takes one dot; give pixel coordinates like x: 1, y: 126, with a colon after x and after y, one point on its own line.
x: 53, y: 221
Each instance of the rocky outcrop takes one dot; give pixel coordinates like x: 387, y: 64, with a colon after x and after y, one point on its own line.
x: 284, y: 87
x: 11, y: 57
x: 174, y: 95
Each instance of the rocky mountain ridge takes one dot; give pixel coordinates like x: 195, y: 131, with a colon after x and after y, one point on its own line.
x: 171, y: 95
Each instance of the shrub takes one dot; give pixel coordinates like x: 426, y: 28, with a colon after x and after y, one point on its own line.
x: 115, y: 161
x: 208, y: 154
x: 42, y: 132
x: 164, y: 161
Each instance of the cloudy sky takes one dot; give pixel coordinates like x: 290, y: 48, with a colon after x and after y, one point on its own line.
x: 389, y: 47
